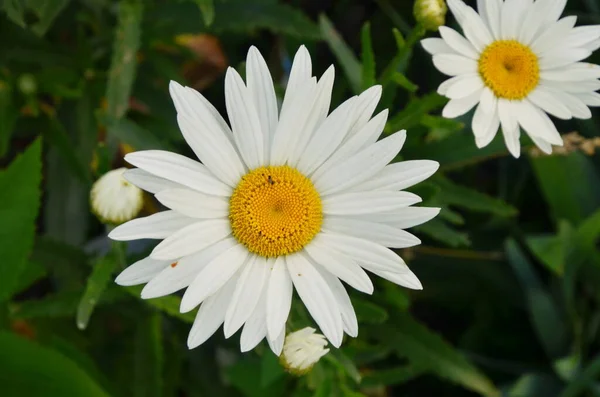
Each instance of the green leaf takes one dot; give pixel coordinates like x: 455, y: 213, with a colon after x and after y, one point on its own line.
x: 57, y: 137
x: 428, y: 351
x: 570, y: 198
x: 124, y: 60
x: 392, y: 376
x: 404, y: 82
x: 208, y: 10
x: 342, y: 52
x: 8, y: 116
x: 413, y: 113
x: 133, y: 134
x: 345, y: 364
x: 368, y: 57
x: 545, y: 318
x: 470, y: 199
x: 368, y: 312
x: 19, y: 205
x: 244, y: 375
x: 45, y: 11
x: 102, y: 270
x: 270, y: 369
x: 443, y: 233
x: 551, y: 249
x: 28, y: 369
x: 169, y: 304
x: 32, y: 272
x: 149, y: 358
x: 583, y: 380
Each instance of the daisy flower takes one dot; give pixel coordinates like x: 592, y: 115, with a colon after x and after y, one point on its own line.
x: 518, y: 62
x: 114, y: 200
x: 291, y: 198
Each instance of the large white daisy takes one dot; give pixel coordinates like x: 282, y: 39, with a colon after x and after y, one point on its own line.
x: 285, y: 199
x: 518, y: 63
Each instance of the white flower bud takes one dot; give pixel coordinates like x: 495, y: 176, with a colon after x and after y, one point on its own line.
x: 303, y: 349
x: 113, y: 199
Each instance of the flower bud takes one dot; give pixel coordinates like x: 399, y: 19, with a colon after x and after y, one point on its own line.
x: 430, y: 13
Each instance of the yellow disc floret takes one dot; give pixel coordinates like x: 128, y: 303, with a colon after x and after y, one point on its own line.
x: 275, y: 211
x: 509, y: 68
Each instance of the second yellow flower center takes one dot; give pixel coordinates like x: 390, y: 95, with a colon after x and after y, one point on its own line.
x: 510, y: 69
x: 275, y: 211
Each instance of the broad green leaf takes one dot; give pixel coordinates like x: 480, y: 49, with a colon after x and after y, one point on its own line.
x: 124, y: 60
x: 244, y: 375
x: 570, y: 184
x: 392, y: 376
x: 28, y: 369
x: 545, y: 318
x: 551, y: 249
x: 270, y: 369
x: 470, y: 199
x: 368, y: 57
x: 19, y: 205
x: 342, y: 52
x: 57, y: 137
x: 208, y: 10
x: 428, y: 351
x: 32, y: 272
x: 535, y: 385
x: 149, y: 360
x: 102, y: 270
x: 8, y: 116
x: 345, y: 364
x: 583, y: 380
x: 368, y: 312
x: 413, y: 113
x: 168, y: 304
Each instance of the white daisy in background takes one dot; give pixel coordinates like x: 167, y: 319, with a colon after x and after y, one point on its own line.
x: 518, y: 62
x: 284, y: 199
x: 115, y: 200
x: 302, y: 350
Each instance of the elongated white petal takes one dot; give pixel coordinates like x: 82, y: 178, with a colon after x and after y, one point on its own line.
x: 579, y: 71
x: 255, y: 328
x: 214, y: 275
x: 544, y: 98
x: 262, y: 92
x: 211, y: 315
x: 360, y: 167
x: 180, y: 169
x: 463, y: 86
x: 458, y: 43
x: 358, y: 203
x: 510, y: 126
x: 192, y: 239
x: 347, y: 270
x: 247, y: 294
x: 276, y: 344
x: 300, y: 73
x: 458, y: 107
x: 365, y: 252
x: 344, y: 304
x: 156, y: 226
x: 148, y: 182
x: 317, y: 297
x: 244, y: 120
x: 403, y: 218
x: 553, y: 34
x: 408, y: 279
x: 453, y: 65
x: 141, y: 271
x: 399, y: 176
x: 557, y: 58
x: 194, y: 204
x: 181, y: 273
x: 379, y: 233
x: 279, y: 298
x: 436, y: 46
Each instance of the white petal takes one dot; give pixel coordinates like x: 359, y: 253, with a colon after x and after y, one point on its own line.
x: 474, y: 28
x: 194, y: 204
x: 555, y: 9
x: 399, y: 176
x: 579, y: 71
x: 244, y: 120
x: 357, y: 203
x: 589, y: 98
x: 300, y: 73
x: 379, y: 233
x: 192, y: 239
x: 436, y: 46
x: 365, y: 252
x: 181, y: 273
x: 345, y: 305
x: 156, y: 226
x: 276, y: 344
x: 575, y: 105
x: 553, y: 34
x: 148, y: 182
x: 141, y: 271
x: 365, y: 106
x: 567, y: 86
x: 317, y: 297
x: 458, y: 43
x: 211, y: 315
x: 327, y: 138
x: 490, y: 13
x: 489, y: 134
x: 561, y: 57
x: 463, y: 86
x: 247, y: 294
x: 205, y: 135
x: 544, y: 98
x: 255, y: 328
x: 512, y: 14
x: 345, y: 269
x: 453, y: 65
x: 403, y: 218
x: 483, y: 115
x: 262, y: 92
x: 213, y: 277
x: 458, y: 107
x: 360, y: 167
x: 582, y: 35
x: 179, y: 169
x: 538, y: 124
x: 408, y: 279
x: 279, y: 298
x: 542, y: 144
x: 510, y: 126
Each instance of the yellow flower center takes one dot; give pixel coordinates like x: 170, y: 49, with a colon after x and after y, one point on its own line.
x: 275, y: 211
x: 509, y: 68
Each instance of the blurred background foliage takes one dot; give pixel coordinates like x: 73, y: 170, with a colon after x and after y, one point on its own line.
x: 511, y: 266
